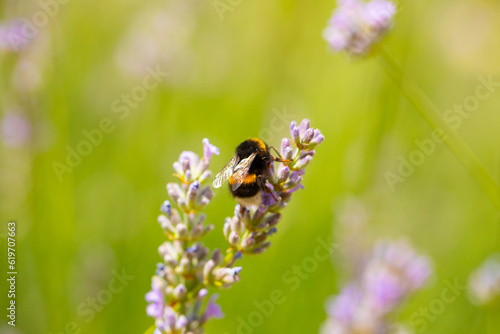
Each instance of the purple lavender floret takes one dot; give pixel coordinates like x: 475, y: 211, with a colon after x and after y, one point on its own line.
x: 213, y: 310
x: 156, y: 298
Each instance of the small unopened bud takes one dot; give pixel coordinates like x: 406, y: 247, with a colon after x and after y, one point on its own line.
x: 181, y: 230
x: 205, y: 176
x: 202, y: 294
x: 185, y: 265
x: 316, y: 141
x: 262, y: 248
x: 170, y: 260
x: 248, y: 243
x: 308, y: 136
x: 196, y: 231
x: 234, y: 238
x: 166, y: 224
x: 273, y: 219
x: 305, y: 125
x: 208, y: 269
x: 181, y: 323
x: 192, y: 193
x: 285, y: 145
x: 217, y: 256
x: 174, y: 191
x: 302, y: 163
x: 295, y: 132
x: 181, y: 202
x: 166, y: 208
x: 180, y: 292
x: 283, y: 175
x: 207, y: 229
x: 271, y: 231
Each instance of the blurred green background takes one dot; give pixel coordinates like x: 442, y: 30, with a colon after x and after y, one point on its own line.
x: 245, y: 74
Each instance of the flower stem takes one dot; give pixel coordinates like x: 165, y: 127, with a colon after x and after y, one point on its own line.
x: 229, y: 257
x: 431, y: 114
x: 150, y: 330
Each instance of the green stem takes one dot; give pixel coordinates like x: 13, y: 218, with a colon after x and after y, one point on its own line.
x: 150, y: 330
x: 229, y: 257
x: 431, y: 114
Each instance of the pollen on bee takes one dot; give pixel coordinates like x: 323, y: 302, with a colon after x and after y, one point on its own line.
x: 250, y: 178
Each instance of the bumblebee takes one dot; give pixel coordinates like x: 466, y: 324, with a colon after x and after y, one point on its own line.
x: 247, y: 172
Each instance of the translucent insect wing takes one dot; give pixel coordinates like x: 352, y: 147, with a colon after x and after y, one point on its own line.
x: 241, y: 171
x: 225, y: 173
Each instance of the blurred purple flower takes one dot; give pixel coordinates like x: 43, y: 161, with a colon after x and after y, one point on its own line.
x: 418, y: 271
x: 157, y: 300
x: 209, y: 149
x: 391, y: 274
x: 378, y: 14
x: 213, y: 310
x: 400, y: 257
x: 343, y: 307
x: 383, y: 288
x: 189, y: 167
x: 356, y: 25
x: 171, y: 322
x: 16, y: 130
x: 12, y: 36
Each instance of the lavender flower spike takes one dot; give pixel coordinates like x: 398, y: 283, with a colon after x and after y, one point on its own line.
x: 178, y: 288
x: 356, y: 25
x: 182, y: 282
x: 391, y: 274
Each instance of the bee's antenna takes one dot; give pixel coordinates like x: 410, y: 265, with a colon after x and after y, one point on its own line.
x: 280, y: 158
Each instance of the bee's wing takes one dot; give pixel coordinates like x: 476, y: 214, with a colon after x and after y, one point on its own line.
x: 241, y: 171
x: 225, y: 173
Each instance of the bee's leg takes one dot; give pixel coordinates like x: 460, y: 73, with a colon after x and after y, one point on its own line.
x: 264, y: 187
x: 280, y: 158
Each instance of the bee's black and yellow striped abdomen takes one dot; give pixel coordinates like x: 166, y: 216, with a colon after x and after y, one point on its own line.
x: 249, y: 192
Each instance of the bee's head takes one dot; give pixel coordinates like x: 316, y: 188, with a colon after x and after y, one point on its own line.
x: 251, y: 146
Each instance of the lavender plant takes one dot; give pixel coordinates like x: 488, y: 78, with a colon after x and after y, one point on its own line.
x: 356, y: 25
x: 179, y: 290
x: 392, y: 272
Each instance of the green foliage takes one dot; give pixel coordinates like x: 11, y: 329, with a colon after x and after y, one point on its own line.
x: 248, y: 75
